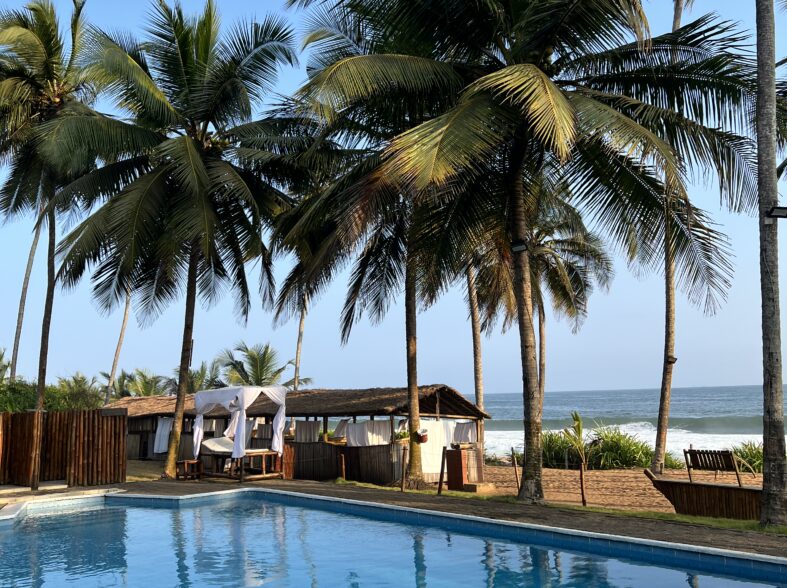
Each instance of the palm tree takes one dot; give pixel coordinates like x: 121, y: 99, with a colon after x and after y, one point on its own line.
x: 575, y: 435
x: 145, y: 383
x: 257, y: 365
x: 118, y: 347
x: 546, y: 84
x: 373, y: 222
x: 774, y: 483
x: 119, y: 385
x: 40, y: 81
x: 206, y: 377
x: 185, y: 191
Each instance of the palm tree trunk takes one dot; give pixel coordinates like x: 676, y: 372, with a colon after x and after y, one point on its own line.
x: 48, y: 303
x: 116, y: 359
x: 774, y: 484
x: 531, y: 488
x: 299, y: 346
x: 475, y: 322
x: 185, y: 359
x: 542, y: 349
x: 478, y: 360
x: 669, y: 345
x: 582, y: 484
x: 44, y: 351
x: 657, y: 464
x: 20, y: 316
x: 414, y: 470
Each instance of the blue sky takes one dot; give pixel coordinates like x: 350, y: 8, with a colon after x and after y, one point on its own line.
x: 619, y: 345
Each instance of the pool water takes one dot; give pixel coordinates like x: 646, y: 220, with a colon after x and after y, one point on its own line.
x: 251, y: 541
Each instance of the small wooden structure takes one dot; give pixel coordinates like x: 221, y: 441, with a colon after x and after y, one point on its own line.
x: 712, y: 460
x: 82, y: 447
x: 324, y: 459
x: 710, y: 500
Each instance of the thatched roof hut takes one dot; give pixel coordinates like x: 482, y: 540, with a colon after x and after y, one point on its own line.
x: 437, y: 400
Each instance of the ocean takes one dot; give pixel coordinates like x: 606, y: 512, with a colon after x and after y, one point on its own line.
x: 715, y: 417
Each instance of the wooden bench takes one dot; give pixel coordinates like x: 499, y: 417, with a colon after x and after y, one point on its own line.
x: 710, y: 460
x: 710, y: 500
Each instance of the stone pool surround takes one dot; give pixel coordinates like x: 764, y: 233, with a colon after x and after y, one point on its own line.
x: 736, y: 564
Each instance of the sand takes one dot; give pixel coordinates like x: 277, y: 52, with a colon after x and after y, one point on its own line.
x: 624, y: 489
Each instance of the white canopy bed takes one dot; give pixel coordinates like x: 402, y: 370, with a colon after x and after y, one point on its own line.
x: 234, y: 444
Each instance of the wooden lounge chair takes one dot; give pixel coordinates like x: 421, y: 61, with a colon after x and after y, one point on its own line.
x: 710, y: 460
x: 709, y: 500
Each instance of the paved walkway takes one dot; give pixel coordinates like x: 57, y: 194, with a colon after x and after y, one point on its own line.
x: 678, y: 532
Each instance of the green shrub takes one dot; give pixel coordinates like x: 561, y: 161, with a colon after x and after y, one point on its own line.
x: 750, y: 453
x: 75, y: 393
x: 17, y: 396
x: 612, y: 449
x: 556, y: 449
x: 672, y: 462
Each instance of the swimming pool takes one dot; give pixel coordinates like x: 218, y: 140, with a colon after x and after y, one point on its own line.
x: 274, y: 539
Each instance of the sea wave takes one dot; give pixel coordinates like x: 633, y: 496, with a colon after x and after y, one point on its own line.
x: 722, y: 425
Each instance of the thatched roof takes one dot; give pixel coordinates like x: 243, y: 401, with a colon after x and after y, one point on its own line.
x: 436, y: 399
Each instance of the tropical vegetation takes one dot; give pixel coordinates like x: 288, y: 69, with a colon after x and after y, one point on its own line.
x: 513, y: 161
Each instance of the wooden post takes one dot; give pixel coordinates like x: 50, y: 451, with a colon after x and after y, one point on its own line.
x: 404, y: 465
x: 516, y: 471
x: 393, y: 430
x: 437, y: 395
x: 342, y: 467
x: 325, y: 426
x: 442, y: 472
x: 481, y: 453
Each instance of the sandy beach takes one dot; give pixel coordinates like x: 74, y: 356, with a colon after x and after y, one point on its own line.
x: 623, y: 489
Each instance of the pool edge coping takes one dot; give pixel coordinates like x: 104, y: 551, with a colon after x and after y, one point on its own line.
x: 564, y: 531
x: 12, y: 511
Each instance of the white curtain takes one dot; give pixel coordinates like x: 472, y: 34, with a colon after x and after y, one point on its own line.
x: 378, y: 432
x: 432, y: 450
x: 307, y: 431
x: 449, y: 426
x: 465, y: 433
x: 356, y: 435
x: 368, y: 433
x: 236, y: 400
x: 341, y: 428
x: 163, y: 428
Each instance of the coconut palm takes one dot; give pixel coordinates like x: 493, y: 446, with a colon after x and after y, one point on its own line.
x: 567, y: 260
x: 256, y: 365
x: 145, y: 383
x: 206, y: 377
x: 560, y: 84
x: 373, y: 222
x: 774, y: 484
x: 119, y: 385
x: 185, y: 193
x: 41, y: 79
x: 118, y: 347
x: 575, y: 435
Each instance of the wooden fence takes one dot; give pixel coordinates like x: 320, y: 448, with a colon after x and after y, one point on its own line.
x: 84, y: 448
x: 378, y: 464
